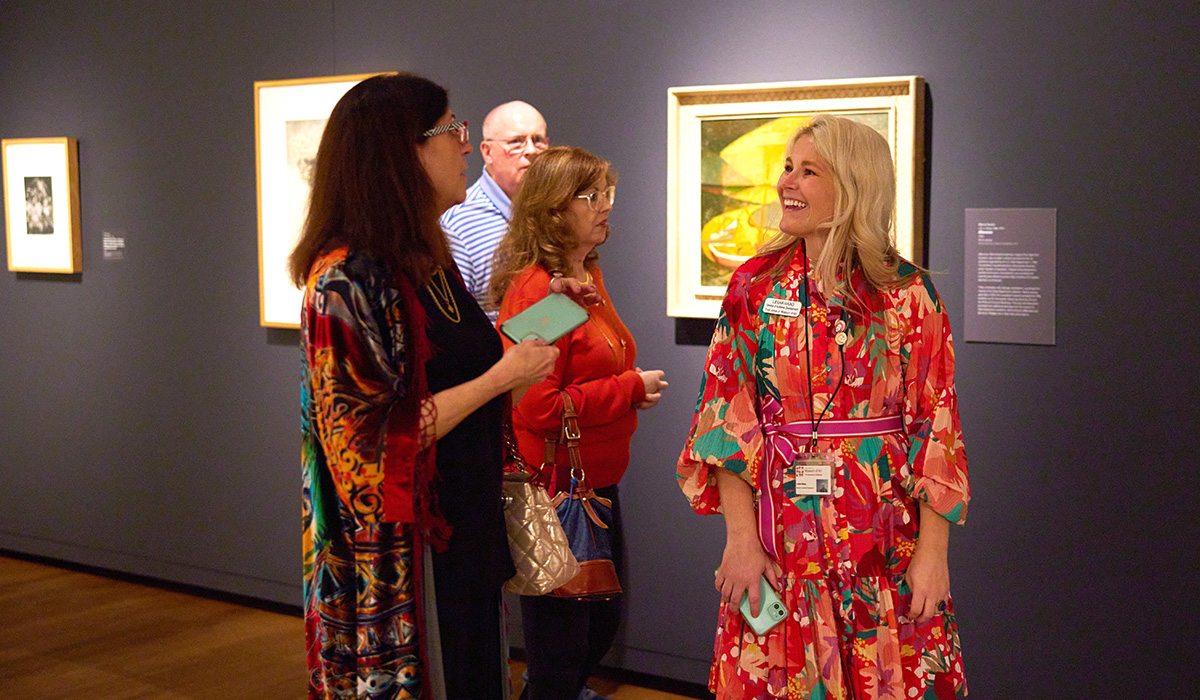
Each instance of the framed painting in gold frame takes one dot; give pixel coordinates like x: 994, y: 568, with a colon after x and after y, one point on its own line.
x: 725, y: 150
x: 289, y: 118
x: 41, y: 205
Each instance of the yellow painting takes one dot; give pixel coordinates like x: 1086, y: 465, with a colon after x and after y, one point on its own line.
x: 725, y: 150
x: 740, y: 161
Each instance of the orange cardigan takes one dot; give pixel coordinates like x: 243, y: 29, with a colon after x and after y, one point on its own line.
x: 596, y: 368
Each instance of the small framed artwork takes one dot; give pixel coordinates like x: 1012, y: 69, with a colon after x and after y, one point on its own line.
x: 725, y: 149
x: 41, y: 205
x: 289, y: 119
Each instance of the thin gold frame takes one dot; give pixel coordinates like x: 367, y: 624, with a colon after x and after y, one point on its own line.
x: 903, y: 98
x: 277, y: 102
x: 57, y: 157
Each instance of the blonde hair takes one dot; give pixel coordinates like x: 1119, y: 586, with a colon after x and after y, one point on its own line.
x: 860, y: 232
x: 538, y: 232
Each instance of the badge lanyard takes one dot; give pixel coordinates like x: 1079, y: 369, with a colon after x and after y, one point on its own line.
x: 812, y: 471
x: 840, y: 339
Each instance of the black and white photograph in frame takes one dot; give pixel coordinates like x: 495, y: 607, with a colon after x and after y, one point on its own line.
x: 41, y: 205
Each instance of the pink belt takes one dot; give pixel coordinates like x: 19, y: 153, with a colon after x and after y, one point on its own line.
x: 840, y: 427
x: 779, y: 450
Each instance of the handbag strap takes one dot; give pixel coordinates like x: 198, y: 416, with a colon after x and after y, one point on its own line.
x: 582, y: 491
x: 569, y: 435
x: 512, y: 452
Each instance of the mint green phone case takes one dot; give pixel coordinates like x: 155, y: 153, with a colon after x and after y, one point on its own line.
x: 549, y: 319
x: 770, y: 609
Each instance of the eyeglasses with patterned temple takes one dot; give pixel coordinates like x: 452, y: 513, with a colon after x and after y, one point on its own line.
x: 459, y: 127
x: 536, y: 142
x: 597, y: 198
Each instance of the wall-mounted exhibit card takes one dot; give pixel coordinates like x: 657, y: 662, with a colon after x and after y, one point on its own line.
x: 1010, y: 276
x: 113, y: 245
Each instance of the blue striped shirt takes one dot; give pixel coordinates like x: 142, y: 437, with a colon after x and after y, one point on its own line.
x: 474, y: 229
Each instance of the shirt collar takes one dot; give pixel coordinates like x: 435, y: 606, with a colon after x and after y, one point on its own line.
x: 494, y: 193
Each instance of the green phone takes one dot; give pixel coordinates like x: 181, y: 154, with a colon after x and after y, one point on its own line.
x: 770, y: 608
x: 549, y: 319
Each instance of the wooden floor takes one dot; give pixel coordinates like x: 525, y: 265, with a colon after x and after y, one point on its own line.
x: 67, y: 635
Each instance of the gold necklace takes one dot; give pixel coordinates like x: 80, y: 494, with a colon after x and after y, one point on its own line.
x: 440, y: 292
x: 603, y: 327
x: 588, y: 279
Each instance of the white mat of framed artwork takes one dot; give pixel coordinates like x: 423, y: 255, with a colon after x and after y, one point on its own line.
x: 289, y: 118
x: 695, y: 287
x: 41, y: 205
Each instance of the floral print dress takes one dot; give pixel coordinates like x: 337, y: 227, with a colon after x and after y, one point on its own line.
x: 844, y: 556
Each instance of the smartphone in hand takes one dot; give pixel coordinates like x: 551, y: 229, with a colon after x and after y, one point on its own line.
x: 770, y: 608
x: 549, y: 319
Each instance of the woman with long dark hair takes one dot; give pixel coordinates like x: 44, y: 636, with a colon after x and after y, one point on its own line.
x: 405, y: 398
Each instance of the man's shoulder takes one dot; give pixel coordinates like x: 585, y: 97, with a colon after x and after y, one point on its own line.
x: 475, y: 208
x: 471, y: 210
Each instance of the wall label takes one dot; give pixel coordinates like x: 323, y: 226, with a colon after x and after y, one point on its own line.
x: 114, y: 246
x: 1010, y: 276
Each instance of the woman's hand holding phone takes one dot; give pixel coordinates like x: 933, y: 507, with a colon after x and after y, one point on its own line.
x: 526, y: 364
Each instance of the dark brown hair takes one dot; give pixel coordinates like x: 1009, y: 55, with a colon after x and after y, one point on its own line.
x: 369, y: 190
x: 538, y: 232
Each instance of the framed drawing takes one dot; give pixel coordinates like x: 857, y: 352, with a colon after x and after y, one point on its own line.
x: 725, y: 149
x: 289, y: 118
x: 41, y: 205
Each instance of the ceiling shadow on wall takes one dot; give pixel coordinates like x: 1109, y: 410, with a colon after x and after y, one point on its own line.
x: 694, y: 331
x: 927, y: 178
x: 72, y: 278
x: 283, y: 336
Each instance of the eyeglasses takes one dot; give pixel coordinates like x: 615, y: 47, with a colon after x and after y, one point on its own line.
x: 516, y: 144
x: 595, y: 199
x: 459, y: 127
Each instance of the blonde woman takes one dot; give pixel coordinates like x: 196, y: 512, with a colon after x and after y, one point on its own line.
x: 827, y: 433
x: 559, y: 217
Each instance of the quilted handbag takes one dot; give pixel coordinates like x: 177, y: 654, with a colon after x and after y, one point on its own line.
x: 585, y: 519
x: 539, y: 548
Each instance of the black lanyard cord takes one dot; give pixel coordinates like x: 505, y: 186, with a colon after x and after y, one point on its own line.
x: 816, y: 422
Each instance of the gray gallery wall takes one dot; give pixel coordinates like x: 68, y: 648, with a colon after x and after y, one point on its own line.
x: 148, y: 424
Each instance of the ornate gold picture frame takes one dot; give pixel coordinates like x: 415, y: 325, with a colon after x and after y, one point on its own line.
x: 725, y: 149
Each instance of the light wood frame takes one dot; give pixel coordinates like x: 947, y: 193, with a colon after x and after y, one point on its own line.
x: 282, y: 192
x: 898, y: 101
x: 42, y: 236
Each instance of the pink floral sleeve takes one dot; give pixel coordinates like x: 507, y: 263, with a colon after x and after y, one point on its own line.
x: 936, y: 454
x: 725, y: 431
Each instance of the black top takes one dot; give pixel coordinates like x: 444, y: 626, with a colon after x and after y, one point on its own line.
x: 470, y: 458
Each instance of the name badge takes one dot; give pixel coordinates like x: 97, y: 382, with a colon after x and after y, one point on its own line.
x: 783, y: 307
x: 814, y: 474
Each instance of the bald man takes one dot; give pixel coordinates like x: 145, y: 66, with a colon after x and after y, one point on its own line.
x: 511, y: 133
